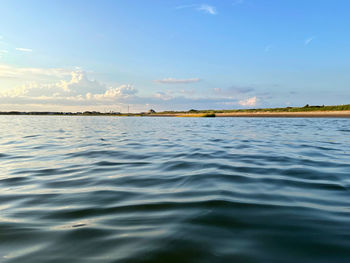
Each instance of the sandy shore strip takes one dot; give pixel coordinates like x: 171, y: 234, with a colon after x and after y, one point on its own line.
x: 303, y: 114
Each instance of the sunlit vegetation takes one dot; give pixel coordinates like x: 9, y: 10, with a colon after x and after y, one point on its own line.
x: 286, y: 109
x: 191, y: 112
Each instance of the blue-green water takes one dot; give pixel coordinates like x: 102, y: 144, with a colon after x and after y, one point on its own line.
x: 107, y: 189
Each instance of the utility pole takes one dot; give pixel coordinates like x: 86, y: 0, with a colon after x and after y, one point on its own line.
x: 128, y: 109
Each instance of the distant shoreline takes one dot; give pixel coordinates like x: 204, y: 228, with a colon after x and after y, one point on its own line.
x: 336, y: 111
x: 258, y: 114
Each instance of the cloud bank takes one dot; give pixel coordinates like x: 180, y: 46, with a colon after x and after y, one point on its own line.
x: 74, y: 91
x: 78, y: 88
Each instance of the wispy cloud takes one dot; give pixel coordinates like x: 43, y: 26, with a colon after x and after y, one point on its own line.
x: 233, y: 91
x: 7, y: 71
x: 185, y: 6
x: 163, y: 96
x: 208, y: 9
x: 24, y: 49
x: 268, y: 48
x: 308, y: 40
x: 205, y: 8
x: 237, y: 2
x: 177, y: 81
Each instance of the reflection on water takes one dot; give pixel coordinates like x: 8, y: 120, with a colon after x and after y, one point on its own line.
x: 105, y: 189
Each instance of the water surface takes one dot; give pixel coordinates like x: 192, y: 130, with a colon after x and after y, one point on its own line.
x: 108, y: 189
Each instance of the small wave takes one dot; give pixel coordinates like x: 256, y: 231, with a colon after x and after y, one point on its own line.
x: 98, y: 189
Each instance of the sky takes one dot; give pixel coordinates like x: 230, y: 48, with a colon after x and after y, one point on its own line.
x: 111, y: 55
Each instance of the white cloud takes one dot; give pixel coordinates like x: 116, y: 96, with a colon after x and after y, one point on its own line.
x: 207, y: 9
x: 308, y: 40
x: 177, y: 81
x: 122, y: 92
x: 79, y: 93
x: 78, y: 89
x: 15, y: 92
x: 24, y: 49
x: 80, y: 84
x: 2, y: 51
x: 248, y: 102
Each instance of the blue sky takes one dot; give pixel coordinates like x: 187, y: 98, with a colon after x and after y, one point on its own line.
x: 176, y: 55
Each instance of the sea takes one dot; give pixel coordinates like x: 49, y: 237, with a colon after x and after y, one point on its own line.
x: 146, y: 189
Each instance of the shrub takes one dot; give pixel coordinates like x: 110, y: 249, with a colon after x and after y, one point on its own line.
x: 209, y: 115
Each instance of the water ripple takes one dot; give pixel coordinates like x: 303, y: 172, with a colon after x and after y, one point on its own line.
x: 95, y: 189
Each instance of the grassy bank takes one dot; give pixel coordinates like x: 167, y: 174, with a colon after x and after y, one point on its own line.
x: 306, y: 108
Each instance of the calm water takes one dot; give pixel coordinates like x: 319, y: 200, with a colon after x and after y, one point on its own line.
x: 108, y: 189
